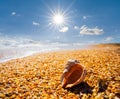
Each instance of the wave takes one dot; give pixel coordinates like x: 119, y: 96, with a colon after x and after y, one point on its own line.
x: 18, y: 48
x: 14, y: 53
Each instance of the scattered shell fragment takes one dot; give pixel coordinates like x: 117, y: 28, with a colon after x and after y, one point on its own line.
x: 73, y: 74
x: 38, y: 76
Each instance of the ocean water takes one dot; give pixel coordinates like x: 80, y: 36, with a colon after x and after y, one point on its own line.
x: 12, y: 50
x: 7, y: 54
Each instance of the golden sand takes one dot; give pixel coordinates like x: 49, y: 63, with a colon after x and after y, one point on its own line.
x: 38, y: 76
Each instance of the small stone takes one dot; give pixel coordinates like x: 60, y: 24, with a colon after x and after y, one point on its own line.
x: 2, y: 95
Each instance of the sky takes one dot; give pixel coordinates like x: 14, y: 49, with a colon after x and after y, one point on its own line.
x: 83, y: 21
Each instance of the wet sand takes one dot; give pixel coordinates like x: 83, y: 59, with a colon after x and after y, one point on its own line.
x: 38, y: 76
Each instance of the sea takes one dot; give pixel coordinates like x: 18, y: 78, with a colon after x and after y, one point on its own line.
x: 19, y: 50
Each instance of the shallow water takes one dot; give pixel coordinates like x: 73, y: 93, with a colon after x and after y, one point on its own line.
x: 14, y: 53
x: 9, y: 53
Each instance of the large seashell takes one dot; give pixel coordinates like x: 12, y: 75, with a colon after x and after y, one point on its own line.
x: 73, y: 74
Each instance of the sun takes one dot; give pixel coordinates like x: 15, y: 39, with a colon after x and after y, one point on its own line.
x: 58, y: 19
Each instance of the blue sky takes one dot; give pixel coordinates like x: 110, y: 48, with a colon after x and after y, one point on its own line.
x: 86, y: 21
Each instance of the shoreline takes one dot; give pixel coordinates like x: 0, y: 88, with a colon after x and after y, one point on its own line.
x: 8, y: 58
x: 86, y: 47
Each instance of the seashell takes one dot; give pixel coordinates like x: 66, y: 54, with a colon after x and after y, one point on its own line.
x: 73, y: 74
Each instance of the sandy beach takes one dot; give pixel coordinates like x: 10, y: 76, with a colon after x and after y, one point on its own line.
x: 38, y: 76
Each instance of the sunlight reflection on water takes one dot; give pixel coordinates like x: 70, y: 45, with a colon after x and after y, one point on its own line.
x: 14, y: 53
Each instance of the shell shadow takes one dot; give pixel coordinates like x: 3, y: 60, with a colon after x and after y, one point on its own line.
x: 102, y: 85
x: 83, y: 87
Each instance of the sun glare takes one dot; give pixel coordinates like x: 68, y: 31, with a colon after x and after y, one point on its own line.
x: 58, y: 19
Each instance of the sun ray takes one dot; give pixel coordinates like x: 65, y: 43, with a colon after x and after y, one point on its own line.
x: 58, y: 18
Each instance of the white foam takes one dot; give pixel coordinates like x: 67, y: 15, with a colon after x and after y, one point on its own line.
x: 14, y: 53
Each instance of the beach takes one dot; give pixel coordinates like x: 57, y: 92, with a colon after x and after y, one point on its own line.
x: 38, y: 76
